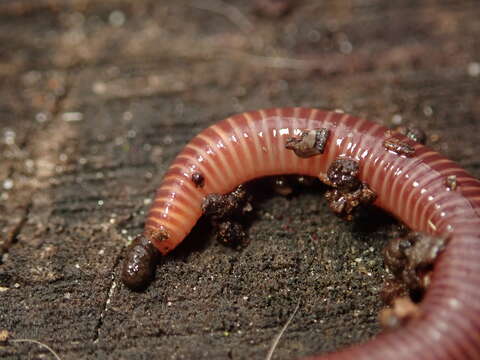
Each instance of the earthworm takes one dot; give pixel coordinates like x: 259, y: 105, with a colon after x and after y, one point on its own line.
x: 413, y: 186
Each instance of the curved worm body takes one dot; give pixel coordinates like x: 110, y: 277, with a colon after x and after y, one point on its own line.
x: 412, y: 185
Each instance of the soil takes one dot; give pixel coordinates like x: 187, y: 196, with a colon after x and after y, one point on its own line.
x: 96, y: 98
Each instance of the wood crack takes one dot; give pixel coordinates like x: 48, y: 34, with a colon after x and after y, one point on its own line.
x: 108, y: 299
x: 12, y: 235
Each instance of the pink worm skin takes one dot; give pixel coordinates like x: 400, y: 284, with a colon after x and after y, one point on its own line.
x: 252, y: 145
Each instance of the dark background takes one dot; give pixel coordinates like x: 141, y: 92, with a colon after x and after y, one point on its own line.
x: 97, y: 97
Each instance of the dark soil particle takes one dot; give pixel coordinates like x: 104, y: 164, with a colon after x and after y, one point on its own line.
x: 412, y: 132
x: 399, y: 147
x: 198, y: 179
x: 311, y: 142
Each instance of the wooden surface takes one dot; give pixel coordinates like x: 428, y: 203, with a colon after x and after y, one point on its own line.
x: 96, y: 98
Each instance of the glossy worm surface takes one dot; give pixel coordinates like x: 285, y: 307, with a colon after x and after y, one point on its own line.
x: 413, y: 187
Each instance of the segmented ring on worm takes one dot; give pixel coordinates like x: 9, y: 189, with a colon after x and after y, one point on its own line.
x: 413, y: 188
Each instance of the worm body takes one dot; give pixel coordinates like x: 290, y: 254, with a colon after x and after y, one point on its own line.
x: 412, y: 185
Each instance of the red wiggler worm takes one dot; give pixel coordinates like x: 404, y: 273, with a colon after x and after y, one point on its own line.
x: 426, y: 191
